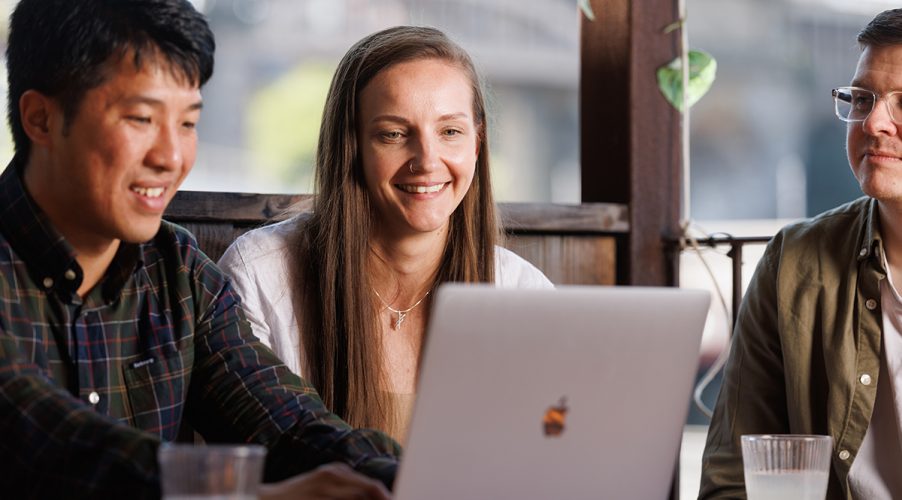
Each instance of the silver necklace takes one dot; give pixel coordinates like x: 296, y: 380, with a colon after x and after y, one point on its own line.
x: 401, y: 313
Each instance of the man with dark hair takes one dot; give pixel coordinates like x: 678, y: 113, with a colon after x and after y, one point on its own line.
x: 818, y: 344
x: 116, y: 332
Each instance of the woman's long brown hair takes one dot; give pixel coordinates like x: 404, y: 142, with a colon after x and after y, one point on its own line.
x: 339, y: 318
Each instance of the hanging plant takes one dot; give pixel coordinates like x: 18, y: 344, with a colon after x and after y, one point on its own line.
x: 702, y: 71
x: 586, y: 7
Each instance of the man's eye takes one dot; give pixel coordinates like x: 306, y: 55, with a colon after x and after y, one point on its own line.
x: 895, y: 100
x: 862, y: 102
x: 139, y: 119
x: 392, y: 135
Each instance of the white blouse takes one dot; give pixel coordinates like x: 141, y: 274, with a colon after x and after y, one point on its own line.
x: 259, y: 265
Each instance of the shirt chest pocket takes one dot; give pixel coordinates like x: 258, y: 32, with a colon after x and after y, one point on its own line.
x: 156, y: 388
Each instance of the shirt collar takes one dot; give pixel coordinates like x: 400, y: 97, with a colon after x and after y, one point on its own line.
x: 49, y: 258
x: 129, y: 259
x: 872, y: 242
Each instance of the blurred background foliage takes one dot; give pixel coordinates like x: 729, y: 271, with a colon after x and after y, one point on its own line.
x: 284, y: 118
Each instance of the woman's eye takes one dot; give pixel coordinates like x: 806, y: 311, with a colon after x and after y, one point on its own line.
x: 392, y: 135
x: 139, y: 119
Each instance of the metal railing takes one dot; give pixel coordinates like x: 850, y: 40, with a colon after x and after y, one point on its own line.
x: 736, y: 244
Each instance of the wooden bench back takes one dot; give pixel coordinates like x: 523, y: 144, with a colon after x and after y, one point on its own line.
x: 571, y: 244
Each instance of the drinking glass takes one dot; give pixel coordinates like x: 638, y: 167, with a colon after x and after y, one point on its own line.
x: 786, y: 466
x: 210, y: 471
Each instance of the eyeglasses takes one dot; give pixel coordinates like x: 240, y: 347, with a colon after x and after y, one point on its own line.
x: 854, y: 104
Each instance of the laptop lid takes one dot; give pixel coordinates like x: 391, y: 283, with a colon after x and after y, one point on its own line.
x: 578, y: 392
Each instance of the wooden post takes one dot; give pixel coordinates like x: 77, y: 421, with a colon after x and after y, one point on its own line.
x: 630, y: 133
x: 630, y: 136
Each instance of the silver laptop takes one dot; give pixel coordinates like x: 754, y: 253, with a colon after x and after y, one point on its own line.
x: 578, y: 392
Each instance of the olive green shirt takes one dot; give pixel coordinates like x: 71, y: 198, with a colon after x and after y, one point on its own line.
x: 805, y: 357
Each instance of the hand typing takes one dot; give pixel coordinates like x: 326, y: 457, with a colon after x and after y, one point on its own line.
x: 332, y: 481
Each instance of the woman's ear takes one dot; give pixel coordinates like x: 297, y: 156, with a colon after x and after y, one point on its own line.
x: 35, y: 112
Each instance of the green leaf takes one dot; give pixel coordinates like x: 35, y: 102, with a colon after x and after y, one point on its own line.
x: 673, y: 26
x: 586, y: 7
x: 702, y: 71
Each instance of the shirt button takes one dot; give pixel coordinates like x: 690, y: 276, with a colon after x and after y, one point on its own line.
x: 844, y: 455
x: 93, y: 398
x: 871, y: 304
x: 69, y: 275
x: 865, y: 379
x: 863, y: 252
x: 48, y: 282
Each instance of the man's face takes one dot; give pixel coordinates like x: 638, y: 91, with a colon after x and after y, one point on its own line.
x: 116, y: 165
x: 874, y: 146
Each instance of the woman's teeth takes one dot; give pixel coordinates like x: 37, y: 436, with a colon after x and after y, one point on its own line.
x: 421, y: 189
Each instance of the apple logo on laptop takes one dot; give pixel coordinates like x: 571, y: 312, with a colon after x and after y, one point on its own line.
x: 553, y: 422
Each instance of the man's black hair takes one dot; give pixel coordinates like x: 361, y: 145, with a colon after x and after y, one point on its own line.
x: 62, y: 48
x: 885, y: 29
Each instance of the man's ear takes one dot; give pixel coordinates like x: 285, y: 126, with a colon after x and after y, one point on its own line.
x: 36, y: 111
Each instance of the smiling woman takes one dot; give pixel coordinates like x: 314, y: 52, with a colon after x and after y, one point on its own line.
x: 418, y: 147
x: 404, y: 203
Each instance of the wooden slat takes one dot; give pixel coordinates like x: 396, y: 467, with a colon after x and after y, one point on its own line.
x: 241, y: 208
x: 557, y: 218
x: 569, y: 259
x: 571, y: 244
x: 247, y: 209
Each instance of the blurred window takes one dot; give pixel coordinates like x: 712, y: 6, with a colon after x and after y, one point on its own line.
x: 766, y: 143
x: 275, y: 58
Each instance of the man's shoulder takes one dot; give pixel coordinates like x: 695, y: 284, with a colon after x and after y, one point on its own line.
x: 836, y: 233
x: 174, y: 260
x: 834, y: 222
x: 173, y: 233
x: 174, y: 245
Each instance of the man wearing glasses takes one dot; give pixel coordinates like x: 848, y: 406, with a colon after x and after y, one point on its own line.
x: 817, y: 348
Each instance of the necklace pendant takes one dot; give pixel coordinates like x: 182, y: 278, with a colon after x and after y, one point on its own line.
x: 397, y: 323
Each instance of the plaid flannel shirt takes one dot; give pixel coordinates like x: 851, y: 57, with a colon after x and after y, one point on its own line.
x: 90, y: 386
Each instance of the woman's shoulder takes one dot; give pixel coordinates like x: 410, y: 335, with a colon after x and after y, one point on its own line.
x: 513, y: 271
x: 265, y: 246
x: 275, y: 236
